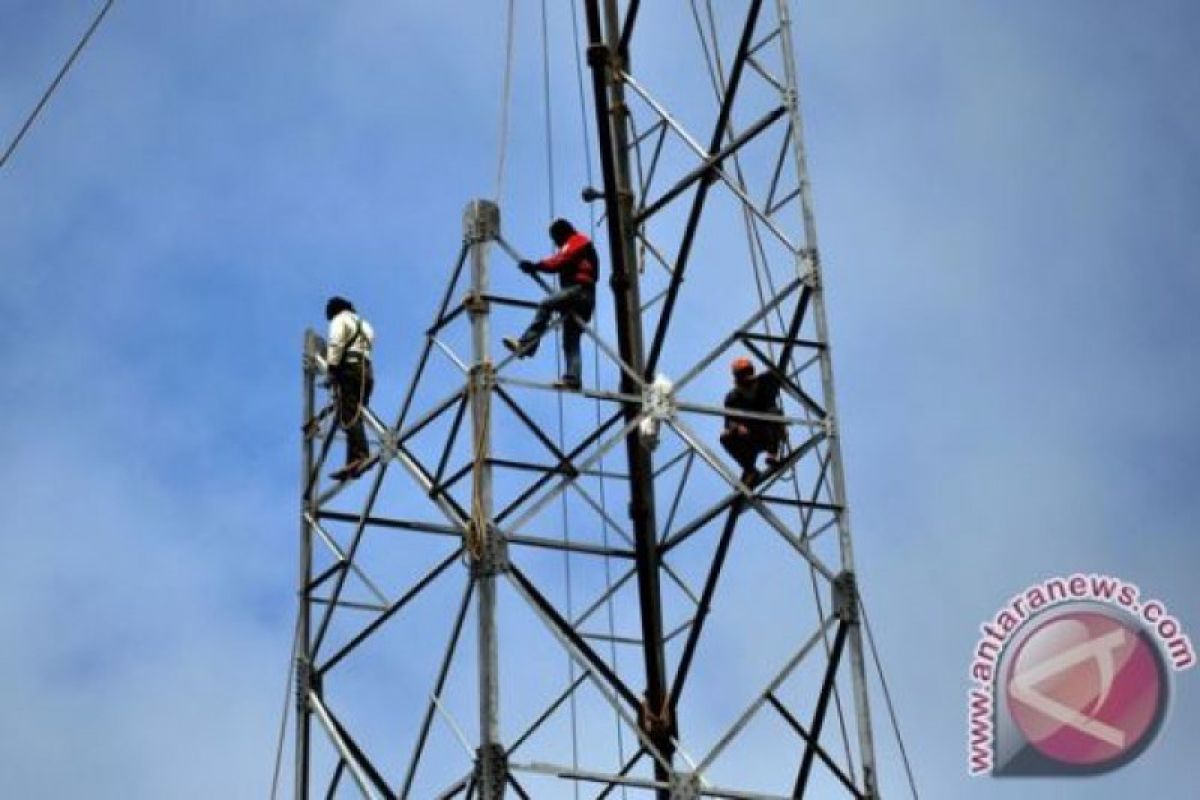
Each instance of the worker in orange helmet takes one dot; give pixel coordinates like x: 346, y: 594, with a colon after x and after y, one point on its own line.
x: 577, y: 267
x: 745, y: 438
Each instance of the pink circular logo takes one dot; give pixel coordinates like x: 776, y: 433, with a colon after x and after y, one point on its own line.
x: 1086, y: 689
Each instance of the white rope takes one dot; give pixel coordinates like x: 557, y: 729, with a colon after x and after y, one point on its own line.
x: 505, y: 97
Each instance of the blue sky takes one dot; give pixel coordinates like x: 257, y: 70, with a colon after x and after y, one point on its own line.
x: 1003, y: 192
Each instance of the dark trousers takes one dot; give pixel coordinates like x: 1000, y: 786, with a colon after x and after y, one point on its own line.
x: 573, y: 301
x: 745, y: 448
x: 355, y: 382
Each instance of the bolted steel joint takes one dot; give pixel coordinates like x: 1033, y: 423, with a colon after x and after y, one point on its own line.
x: 308, y: 681
x: 491, y: 771
x: 389, y: 446
x: 491, y: 556
x: 597, y: 55
x: 483, y: 376
x: 829, y: 426
x: 845, y: 597
x: 475, y: 304
x: 481, y: 222
x: 685, y: 786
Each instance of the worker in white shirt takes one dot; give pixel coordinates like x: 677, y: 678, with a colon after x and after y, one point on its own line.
x: 348, y: 357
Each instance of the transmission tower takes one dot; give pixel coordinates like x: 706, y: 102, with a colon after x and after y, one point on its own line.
x: 644, y: 623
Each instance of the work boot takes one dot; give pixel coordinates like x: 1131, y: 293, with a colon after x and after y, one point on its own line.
x: 521, y: 348
x: 751, y: 477
x: 352, y: 470
x: 569, y: 383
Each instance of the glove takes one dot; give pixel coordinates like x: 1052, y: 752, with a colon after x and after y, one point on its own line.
x: 528, y: 267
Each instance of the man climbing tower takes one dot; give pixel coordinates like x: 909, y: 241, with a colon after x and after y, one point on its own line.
x: 745, y: 438
x: 578, y: 267
x: 348, y: 357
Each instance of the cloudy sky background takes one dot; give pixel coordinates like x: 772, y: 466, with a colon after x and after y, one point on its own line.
x: 1005, y: 194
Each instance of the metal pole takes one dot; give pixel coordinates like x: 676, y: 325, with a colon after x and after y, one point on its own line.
x: 606, y: 60
x: 858, y: 673
x: 307, y: 505
x: 481, y: 226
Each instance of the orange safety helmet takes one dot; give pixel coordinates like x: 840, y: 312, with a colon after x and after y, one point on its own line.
x: 742, y: 368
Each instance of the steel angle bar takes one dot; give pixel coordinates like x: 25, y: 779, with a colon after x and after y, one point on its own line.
x: 591, y: 776
x: 819, y: 713
x: 699, y: 198
x: 607, y: 682
x: 533, y: 427
x: 783, y: 201
x: 369, y: 781
x: 687, y: 470
x: 766, y: 75
x: 784, y: 151
x: 514, y: 302
x: 625, y: 768
x: 427, y: 345
x: 767, y: 338
x: 604, y: 597
x: 672, y: 461
x: 390, y: 611
x: 579, y: 548
x: 545, y: 715
x: 323, y: 576
x: 728, y: 341
x: 721, y: 411
x: 338, y: 772
x: 464, y: 784
x: 766, y: 40
x: 341, y: 557
x: 799, y: 545
x: 314, y: 473
x: 388, y: 522
x: 516, y: 787
x: 450, y: 354
x: 711, y: 163
x: 826, y: 759
x: 730, y: 184
x: 618, y: 780
x: 451, y: 439
x: 613, y: 638
x: 452, y: 723
x: 646, y: 134
x: 653, y: 301
x: 786, y: 383
x: 340, y: 580
x: 536, y: 486
x: 705, y: 602
x: 439, y: 685
x: 659, y: 258
x: 453, y: 512
x: 352, y: 605
x: 561, y: 628
x: 805, y: 505
x: 561, y: 486
x: 644, y: 180
x: 445, y: 321
x: 739, y: 725
x: 435, y: 411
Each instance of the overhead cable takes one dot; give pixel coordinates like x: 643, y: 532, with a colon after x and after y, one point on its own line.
x: 33, y: 115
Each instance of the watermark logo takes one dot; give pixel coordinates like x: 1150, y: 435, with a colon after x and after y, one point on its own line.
x: 1072, y: 677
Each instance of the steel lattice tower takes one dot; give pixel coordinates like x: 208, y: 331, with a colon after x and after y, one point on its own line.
x: 645, y: 624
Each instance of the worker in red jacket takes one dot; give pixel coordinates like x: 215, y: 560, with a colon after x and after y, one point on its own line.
x: 577, y: 267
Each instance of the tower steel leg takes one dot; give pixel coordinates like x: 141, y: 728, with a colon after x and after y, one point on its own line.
x: 481, y: 225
